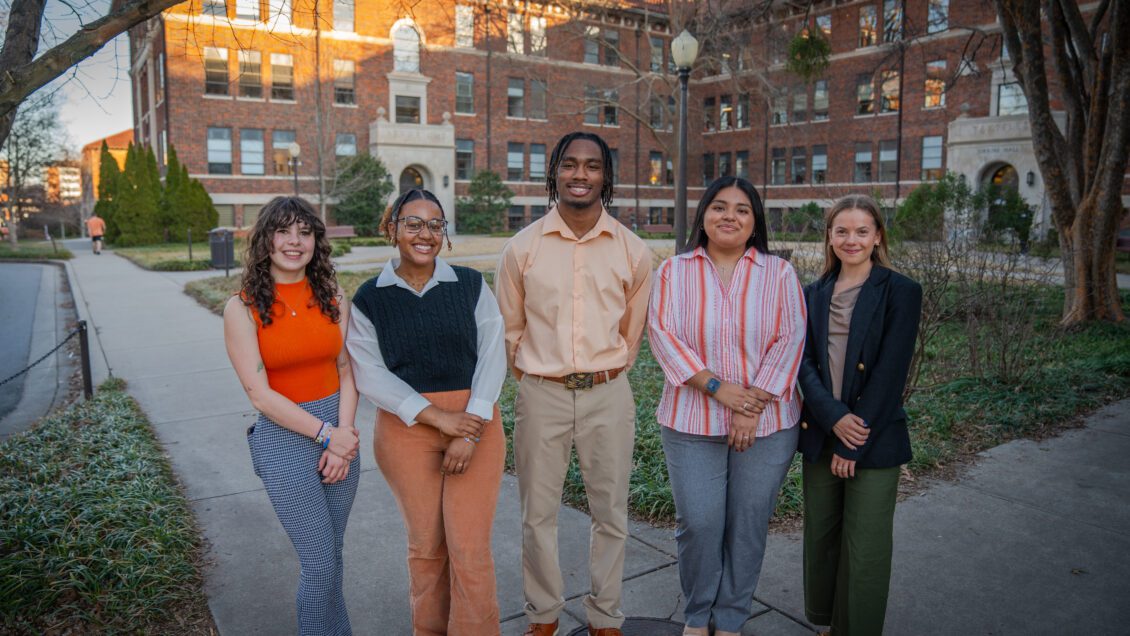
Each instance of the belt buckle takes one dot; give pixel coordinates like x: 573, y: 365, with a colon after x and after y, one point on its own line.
x: 575, y: 381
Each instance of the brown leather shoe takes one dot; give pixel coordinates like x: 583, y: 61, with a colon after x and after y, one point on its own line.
x: 541, y: 629
x: 605, y: 631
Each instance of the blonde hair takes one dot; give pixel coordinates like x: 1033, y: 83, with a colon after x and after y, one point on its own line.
x: 855, y: 202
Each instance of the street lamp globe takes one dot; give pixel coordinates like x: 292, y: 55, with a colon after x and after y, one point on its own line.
x: 294, y: 149
x: 684, y: 50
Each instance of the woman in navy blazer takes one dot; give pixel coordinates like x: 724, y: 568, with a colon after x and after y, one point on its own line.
x: 862, y: 325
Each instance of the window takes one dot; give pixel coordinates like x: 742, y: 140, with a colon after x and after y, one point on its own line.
x: 708, y: 114
x: 800, y: 104
x: 660, y: 216
x: 868, y: 26
x: 592, y: 106
x: 741, y: 164
x: 741, y: 115
x: 215, y: 71
x: 892, y: 20
x: 282, y: 76
x: 516, y: 97
x: 538, y: 91
x: 819, y: 164
x: 515, y: 34
x: 345, y: 145
x: 611, y: 108
x: 656, y: 53
x: 279, y: 12
x: 725, y: 167
x: 707, y: 169
x: 464, y: 93
x: 777, y: 167
x: 888, y: 161
x: 611, y: 47
x: 935, y: 84
x: 247, y: 9
x: 464, y: 158
x: 1011, y: 100
x: 515, y: 161
x: 464, y: 26
x: 824, y: 23
x: 250, y: 151
x: 219, y: 151
x: 592, y: 45
x: 889, y: 85
x: 725, y: 113
x: 343, y: 15
x: 932, y: 158
x: 537, y: 161
x: 800, y: 164
x: 250, y: 74
x: 655, y: 113
x: 937, y: 15
x: 537, y: 36
x: 516, y: 217
x: 780, y: 107
x: 655, y: 167
x: 820, y: 100
x: 405, y: 49
x: 280, y: 151
x: 862, y: 162
x: 344, y: 92
x: 407, y: 109
x: 614, y: 155
x: 214, y: 7
x: 864, y: 95
x: 536, y: 212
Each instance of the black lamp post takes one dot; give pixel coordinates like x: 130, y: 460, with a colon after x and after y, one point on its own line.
x: 684, y: 50
x: 294, y: 150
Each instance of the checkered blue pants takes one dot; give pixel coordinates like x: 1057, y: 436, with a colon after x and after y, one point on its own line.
x: 312, y: 513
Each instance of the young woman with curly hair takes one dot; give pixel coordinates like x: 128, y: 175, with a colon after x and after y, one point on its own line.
x: 285, y: 332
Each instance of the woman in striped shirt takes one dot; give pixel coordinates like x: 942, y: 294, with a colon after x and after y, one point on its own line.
x: 727, y: 324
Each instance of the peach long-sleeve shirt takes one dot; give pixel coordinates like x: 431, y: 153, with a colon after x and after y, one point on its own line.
x: 571, y: 304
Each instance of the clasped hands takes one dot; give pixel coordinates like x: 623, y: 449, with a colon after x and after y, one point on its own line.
x: 343, y: 448
x: 747, y: 403
x: 464, y: 429
x: 852, y: 432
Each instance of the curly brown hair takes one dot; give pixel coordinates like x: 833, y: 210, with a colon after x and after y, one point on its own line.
x: 257, y: 289
x: 392, y: 213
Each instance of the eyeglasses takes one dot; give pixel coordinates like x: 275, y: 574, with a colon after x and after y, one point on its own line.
x: 414, y: 225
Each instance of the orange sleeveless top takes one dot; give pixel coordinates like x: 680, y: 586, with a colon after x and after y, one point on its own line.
x: 300, y: 346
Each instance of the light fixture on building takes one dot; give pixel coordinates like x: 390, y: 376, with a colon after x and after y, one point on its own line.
x: 294, y: 150
x: 684, y: 50
x: 445, y: 181
x: 1030, y: 178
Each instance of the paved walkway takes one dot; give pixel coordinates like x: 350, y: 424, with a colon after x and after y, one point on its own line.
x: 1032, y: 540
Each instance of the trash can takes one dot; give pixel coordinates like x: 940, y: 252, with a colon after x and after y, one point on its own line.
x: 222, y: 242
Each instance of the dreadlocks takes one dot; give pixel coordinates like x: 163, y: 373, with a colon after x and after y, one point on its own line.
x: 555, y: 161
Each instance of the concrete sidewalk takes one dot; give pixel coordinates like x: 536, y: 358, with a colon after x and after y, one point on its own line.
x: 1032, y: 540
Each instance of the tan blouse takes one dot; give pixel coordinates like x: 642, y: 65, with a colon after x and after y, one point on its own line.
x: 839, y: 323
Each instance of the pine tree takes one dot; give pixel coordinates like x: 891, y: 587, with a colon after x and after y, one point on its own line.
x: 109, y: 190
x: 139, y: 199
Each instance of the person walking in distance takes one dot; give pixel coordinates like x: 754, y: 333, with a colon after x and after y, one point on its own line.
x: 97, y: 229
x: 573, y: 289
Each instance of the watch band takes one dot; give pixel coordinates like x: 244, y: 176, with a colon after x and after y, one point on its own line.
x: 712, y: 385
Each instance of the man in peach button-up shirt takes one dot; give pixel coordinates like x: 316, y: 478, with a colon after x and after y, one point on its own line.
x: 573, y: 288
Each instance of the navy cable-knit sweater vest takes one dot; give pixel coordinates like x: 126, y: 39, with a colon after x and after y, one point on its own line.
x: 429, y: 341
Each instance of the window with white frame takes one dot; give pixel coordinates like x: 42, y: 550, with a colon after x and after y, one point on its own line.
x: 1011, y: 100
x: 464, y: 26
x: 864, y: 95
x: 820, y: 100
x: 343, y: 15
x: 407, y: 109
x: 344, y: 90
x: 657, y: 51
x: 464, y: 93
x: 707, y: 169
x: 611, y: 47
x: 214, y: 7
x: 215, y: 71
x: 741, y: 164
x: 251, y: 151
x: 741, y: 113
x: 219, y: 150
x: 889, y: 87
x: 537, y: 36
x: 725, y: 165
x: 868, y: 25
x: 888, y: 160
x: 655, y: 167
x: 405, y: 48
x: 247, y: 9
x: 725, y: 113
x: 515, y: 34
x: 937, y: 15
x: 932, y: 158
x: 345, y: 145
x: 862, y: 162
x: 515, y: 161
x: 799, y: 164
x: 777, y: 167
x: 824, y: 23
x: 592, y: 45
x: 819, y: 164
x: 279, y: 12
x: 592, y: 106
x: 464, y: 158
x: 516, y: 97
x: 282, y: 76
x: 537, y: 161
x: 935, y: 84
x: 892, y: 20
x: 250, y: 74
x: 779, y: 107
x: 800, y: 104
x: 611, y: 108
x: 280, y: 151
x: 536, y: 108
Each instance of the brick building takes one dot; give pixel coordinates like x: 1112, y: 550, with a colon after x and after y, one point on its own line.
x: 450, y: 88
x: 90, y: 165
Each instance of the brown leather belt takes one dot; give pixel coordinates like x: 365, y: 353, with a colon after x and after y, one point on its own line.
x: 575, y: 381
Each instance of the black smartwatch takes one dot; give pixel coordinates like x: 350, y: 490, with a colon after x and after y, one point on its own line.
x: 712, y: 385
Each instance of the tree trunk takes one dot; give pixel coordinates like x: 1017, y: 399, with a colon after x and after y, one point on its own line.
x: 1090, y: 283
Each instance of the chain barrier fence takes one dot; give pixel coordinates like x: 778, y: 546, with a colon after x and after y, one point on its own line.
x: 84, y: 345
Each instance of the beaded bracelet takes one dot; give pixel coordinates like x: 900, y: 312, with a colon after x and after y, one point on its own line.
x: 324, y: 433
x: 471, y: 440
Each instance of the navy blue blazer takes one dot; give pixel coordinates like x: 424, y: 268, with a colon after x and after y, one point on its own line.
x: 881, y: 343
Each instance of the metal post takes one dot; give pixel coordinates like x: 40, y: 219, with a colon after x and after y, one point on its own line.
x: 681, y: 175
x: 228, y: 238
x: 295, y: 170
x: 189, y: 243
x: 84, y: 345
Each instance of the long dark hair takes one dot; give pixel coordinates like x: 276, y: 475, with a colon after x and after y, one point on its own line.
x: 257, y: 288
x: 555, y: 161
x: 760, y: 237
x: 392, y: 212
x: 855, y: 202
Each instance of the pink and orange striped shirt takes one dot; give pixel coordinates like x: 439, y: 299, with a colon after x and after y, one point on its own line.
x: 750, y: 334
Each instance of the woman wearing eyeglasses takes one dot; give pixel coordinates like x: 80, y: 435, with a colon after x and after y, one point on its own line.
x: 427, y: 346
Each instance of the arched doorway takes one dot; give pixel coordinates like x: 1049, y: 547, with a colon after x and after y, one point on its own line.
x: 1002, y: 176
x: 1009, y: 217
x: 411, y: 178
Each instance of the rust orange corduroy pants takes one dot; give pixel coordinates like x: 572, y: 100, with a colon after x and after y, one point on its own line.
x: 448, y: 519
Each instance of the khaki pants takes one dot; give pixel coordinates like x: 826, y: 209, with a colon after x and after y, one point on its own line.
x: 448, y: 518
x: 549, y: 421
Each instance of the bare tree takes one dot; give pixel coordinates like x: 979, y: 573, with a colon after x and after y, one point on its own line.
x: 1083, y: 166
x: 32, y: 143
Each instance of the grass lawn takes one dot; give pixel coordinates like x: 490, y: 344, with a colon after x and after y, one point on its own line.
x: 1068, y: 373
x: 33, y: 250
x: 95, y: 533
x: 172, y: 256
